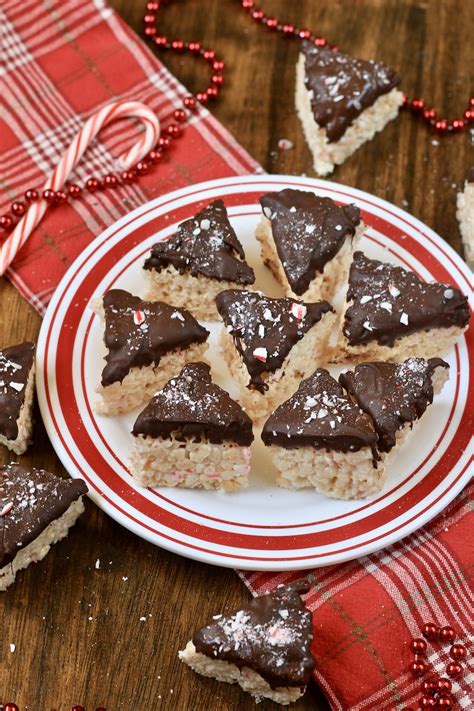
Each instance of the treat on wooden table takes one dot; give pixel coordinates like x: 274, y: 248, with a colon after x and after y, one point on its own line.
x: 192, y: 435
x: 395, y: 395
x: 270, y: 344
x: 390, y: 314
x: 147, y: 343
x: 465, y: 215
x: 265, y: 647
x: 308, y: 242
x: 17, y: 387
x: 203, y: 258
x: 342, y: 102
x: 37, y: 509
x: 319, y: 438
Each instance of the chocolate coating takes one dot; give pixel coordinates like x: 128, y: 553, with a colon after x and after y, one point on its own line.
x: 392, y: 393
x: 15, y: 366
x: 265, y: 328
x: 470, y: 174
x: 320, y: 415
x: 388, y: 302
x: 308, y: 232
x: 342, y: 86
x: 38, y: 498
x: 191, y: 406
x: 206, y: 244
x: 134, y: 345
x: 271, y: 635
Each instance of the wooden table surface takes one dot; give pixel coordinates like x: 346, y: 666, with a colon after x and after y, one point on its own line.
x: 77, y: 629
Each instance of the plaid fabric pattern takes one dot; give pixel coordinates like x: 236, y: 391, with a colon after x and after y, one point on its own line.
x: 62, y: 61
x: 366, y: 612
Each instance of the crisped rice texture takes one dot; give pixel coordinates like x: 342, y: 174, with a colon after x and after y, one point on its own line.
x: 40, y: 547
x: 465, y: 215
x: 195, y: 293
x: 327, y: 155
x: 341, y: 475
x: 305, y: 356
x: 140, y: 384
x: 324, y: 285
x: 249, y: 680
x: 25, y: 419
x: 189, y: 464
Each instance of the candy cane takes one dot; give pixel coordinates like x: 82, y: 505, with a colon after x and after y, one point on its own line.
x: 81, y: 142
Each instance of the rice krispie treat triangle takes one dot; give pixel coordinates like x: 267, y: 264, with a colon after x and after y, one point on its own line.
x: 319, y: 438
x: 203, y: 258
x: 465, y: 215
x: 17, y: 387
x: 342, y: 102
x: 36, y: 510
x: 265, y: 647
x: 147, y: 343
x: 391, y: 314
x: 308, y: 241
x: 192, y: 434
x: 270, y: 344
x: 395, y: 395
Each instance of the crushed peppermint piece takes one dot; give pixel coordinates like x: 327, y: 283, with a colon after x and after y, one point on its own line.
x: 299, y: 311
x: 267, y: 212
x: 17, y: 386
x: 260, y: 353
x: 97, y: 564
x: 448, y: 294
x: 404, y: 319
x: 138, y: 317
x: 284, y: 144
x: 197, y: 231
x: 309, y: 229
x: 12, y: 648
x: 393, y: 291
x: 386, y: 305
x: 6, y: 509
x: 178, y: 315
x: 367, y: 326
x: 205, y: 224
x: 365, y: 299
x: 322, y: 413
x: 261, y: 330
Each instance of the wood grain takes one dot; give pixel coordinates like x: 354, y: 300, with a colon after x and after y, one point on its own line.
x: 77, y: 629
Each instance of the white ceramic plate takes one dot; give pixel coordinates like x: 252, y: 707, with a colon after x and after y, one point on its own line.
x: 262, y: 527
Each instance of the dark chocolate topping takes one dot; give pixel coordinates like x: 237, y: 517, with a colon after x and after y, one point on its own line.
x: 342, y: 86
x: 15, y: 366
x: 264, y: 329
x: 470, y: 174
x: 137, y: 333
x: 30, y: 499
x: 206, y: 244
x: 191, y: 407
x: 308, y: 232
x: 272, y: 636
x: 320, y: 415
x: 392, y: 393
x: 388, y: 302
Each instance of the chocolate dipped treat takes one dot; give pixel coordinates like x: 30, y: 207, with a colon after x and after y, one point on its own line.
x: 320, y: 438
x: 201, y: 259
x: 342, y: 102
x: 395, y: 395
x: 192, y: 435
x: 270, y: 344
x: 391, y: 314
x: 307, y: 241
x: 147, y: 342
x: 36, y: 510
x: 17, y: 385
x: 465, y: 215
x: 265, y: 647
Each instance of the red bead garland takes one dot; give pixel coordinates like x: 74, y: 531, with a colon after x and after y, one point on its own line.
x: 169, y: 134
x: 417, y: 106
x: 436, y: 691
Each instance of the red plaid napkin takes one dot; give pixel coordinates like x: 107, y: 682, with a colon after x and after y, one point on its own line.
x: 63, y: 60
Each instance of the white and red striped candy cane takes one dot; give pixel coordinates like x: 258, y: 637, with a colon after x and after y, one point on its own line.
x: 81, y: 142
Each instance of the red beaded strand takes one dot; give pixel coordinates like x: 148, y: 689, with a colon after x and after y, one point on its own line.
x: 174, y: 130
x: 170, y: 133
x: 436, y: 690
x: 416, y: 106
